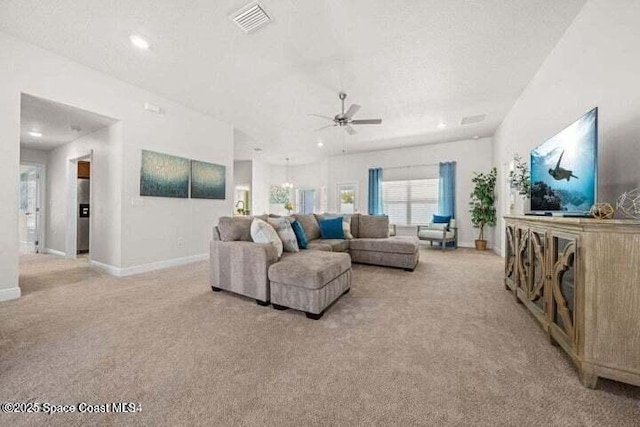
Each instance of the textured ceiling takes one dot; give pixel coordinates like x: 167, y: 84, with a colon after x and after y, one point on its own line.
x: 59, y: 124
x: 413, y: 63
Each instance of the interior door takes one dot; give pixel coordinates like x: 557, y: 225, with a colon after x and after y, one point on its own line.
x: 29, y: 209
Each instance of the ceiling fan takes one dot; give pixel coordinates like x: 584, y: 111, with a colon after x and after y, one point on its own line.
x: 345, y: 119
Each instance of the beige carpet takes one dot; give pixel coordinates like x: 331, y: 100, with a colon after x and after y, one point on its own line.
x: 444, y: 345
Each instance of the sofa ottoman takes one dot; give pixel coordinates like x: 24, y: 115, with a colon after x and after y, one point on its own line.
x: 310, y: 281
x: 399, y: 252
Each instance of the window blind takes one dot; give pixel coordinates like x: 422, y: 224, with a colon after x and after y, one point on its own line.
x: 410, y: 201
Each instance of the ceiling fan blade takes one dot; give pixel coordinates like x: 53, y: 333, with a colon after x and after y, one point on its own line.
x: 350, y: 130
x: 322, y: 117
x: 324, y: 127
x: 352, y: 111
x: 367, y: 122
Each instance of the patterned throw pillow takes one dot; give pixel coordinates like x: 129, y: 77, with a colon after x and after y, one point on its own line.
x: 285, y: 233
x: 262, y: 232
x: 346, y: 227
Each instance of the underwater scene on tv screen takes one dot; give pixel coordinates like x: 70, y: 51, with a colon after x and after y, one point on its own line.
x: 563, y: 169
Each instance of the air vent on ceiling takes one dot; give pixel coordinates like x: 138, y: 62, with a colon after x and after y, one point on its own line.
x: 473, y: 119
x: 251, y: 17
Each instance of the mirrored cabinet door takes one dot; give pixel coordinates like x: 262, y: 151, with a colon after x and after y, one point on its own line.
x: 563, y: 284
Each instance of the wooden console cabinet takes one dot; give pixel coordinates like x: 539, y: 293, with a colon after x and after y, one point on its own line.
x: 580, y: 278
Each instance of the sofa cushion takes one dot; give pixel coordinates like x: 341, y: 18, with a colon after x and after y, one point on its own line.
x: 263, y: 232
x: 235, y: 228
x: 396, y: 245
x: 285, y: 233
x: 317, y: 245
x: 311, y: 270
x: 303, y: 242
x: 310, y: 225
x: 331, y: 228
x: 337, y: 245
x: 373, y: 227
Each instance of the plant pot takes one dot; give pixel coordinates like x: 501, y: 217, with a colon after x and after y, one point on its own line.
x: 481, y: 245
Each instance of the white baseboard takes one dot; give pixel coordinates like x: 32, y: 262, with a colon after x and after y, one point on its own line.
x: 110, y: 269
x: 159, y: 265
x: 9, y: 294
x: 54, y: 252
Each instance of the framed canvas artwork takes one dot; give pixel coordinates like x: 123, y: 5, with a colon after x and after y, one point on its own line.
x: 163, y: 175
x: 208, y: 180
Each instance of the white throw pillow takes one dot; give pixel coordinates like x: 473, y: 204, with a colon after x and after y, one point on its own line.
x: 262, y: 232
x: 285, y: 233
x: 346, y: 227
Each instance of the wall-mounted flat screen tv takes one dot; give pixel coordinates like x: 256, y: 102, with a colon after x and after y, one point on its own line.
x: 564, y: 169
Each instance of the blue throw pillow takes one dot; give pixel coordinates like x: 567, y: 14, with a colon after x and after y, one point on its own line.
x: 441, y: 219
x: 331, y: 228
x: 301, y: 236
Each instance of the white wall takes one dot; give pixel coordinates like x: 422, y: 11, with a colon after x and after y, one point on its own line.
x: 470, y: 156
x: 152, y: 229
x: 242, y: 173
x: 596, y: 63
x: 104, y: 145
x: 30, y: 155
x: 264, y: 175
x: 310, y: 176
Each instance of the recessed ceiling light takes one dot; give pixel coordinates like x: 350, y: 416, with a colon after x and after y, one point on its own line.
x: 320, y: 144
x: 139, y: 42
x: 476, y: 137
x: 35, y: 134
x: 441, y: 125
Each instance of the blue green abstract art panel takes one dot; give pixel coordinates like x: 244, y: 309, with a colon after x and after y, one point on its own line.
x: 208, y: 180
x: 162, y: 175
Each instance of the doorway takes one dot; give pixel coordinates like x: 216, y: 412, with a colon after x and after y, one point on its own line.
x: 83, y: 225
x: 30, y: 208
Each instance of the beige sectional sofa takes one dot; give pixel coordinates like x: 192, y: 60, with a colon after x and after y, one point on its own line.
x: 309, y: 280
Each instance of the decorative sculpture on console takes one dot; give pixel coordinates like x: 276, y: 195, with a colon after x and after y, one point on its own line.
x: 602, y: 211
x: 629, y: 203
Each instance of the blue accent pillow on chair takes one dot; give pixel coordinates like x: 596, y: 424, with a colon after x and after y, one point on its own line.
x: 441, y: 219
x: 303, y: 242
x: 331, y: 228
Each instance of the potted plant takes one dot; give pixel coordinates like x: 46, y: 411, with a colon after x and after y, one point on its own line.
x: 483, y: 198
x: 288, y: 206
x: 520, y: 177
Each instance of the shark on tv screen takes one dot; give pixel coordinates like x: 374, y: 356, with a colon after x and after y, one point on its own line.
x: 564, y: 168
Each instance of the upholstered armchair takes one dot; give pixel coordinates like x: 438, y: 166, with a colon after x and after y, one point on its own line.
x: 442, y: 233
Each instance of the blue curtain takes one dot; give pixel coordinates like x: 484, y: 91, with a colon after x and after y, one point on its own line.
x: 375, y: 191
x: 447, y: 194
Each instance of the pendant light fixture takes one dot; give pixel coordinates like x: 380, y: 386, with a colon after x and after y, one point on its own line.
x: 287, y: 183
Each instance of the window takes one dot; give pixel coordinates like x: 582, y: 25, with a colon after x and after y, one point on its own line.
x: 410, y: 202
x: 308, y: 201
x: 347, y: 198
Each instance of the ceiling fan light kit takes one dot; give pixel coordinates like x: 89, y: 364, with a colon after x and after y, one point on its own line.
x: 345, y: 118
